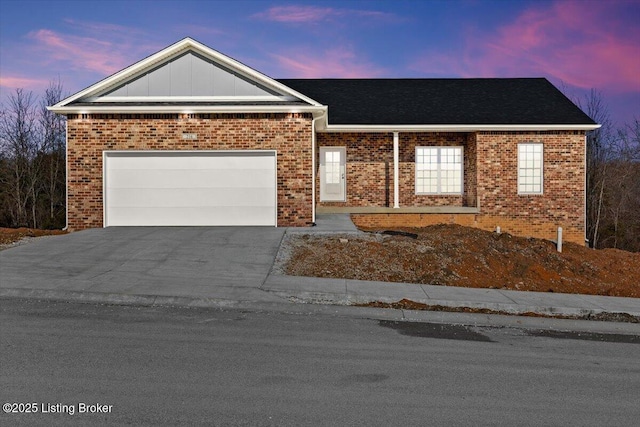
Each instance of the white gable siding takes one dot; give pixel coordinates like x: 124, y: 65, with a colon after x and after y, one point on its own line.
x: 202, y: 73
x: 181, y: 78
x: 189, y: 75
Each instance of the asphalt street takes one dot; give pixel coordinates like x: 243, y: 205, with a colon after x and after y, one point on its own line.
x: 189, y: 366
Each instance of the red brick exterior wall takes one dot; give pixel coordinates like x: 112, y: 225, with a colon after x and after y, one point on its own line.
x: 369, y: 167
x: 562, y: 203
x: 517, y: 227
x: 490, y: 168
x: 490, y: 177
x: 408, y: 143
x: 88, y: 136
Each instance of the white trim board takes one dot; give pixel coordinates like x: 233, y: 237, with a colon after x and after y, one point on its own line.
x: 452, y: 128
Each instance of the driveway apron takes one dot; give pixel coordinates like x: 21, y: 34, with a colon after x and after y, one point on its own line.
x: 213, y: 262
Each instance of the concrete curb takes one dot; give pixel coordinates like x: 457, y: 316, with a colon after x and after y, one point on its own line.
x: 290, y: 299
x: 294, y: 305
x: 117, y: 299
x: 350, y: 292
x: 513, y: 309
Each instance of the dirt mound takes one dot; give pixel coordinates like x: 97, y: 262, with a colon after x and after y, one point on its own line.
x: 461, y: 256
x: 14, y: 235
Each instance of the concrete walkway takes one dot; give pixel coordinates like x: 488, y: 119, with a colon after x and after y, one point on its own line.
x: 158, y: 266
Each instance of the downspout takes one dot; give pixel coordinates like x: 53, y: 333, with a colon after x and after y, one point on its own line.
x: 313, y: 172
x: 66, y: 174
x: 584, y: 205
x: 396, y: 171
x: 313, y: 166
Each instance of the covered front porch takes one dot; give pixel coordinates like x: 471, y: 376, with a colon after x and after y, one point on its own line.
x: 397, y: 172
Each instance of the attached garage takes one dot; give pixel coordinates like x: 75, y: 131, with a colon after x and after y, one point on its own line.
x: 189, y: 136
x: 198, y: 188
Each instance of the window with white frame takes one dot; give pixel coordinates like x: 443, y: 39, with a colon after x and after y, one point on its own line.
x: 530, y: 161
x: 332, y: 167
x: 439, y: 170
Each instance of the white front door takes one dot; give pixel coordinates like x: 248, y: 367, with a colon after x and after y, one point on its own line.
x: 332, y: 174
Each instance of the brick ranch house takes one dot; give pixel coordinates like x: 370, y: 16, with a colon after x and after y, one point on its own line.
x: 189, y: 136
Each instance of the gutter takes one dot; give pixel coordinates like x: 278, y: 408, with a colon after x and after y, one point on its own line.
x: 454, y: 128
x: 315, y: 110
x: 323, y: 116
x: 584, y: 203
x: 66, y: 175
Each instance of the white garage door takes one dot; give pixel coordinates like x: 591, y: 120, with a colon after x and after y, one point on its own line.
x: 190, y: 188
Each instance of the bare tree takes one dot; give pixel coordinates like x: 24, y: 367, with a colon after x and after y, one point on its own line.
x: 598, y: 153
x: 612, y: 178
x: 622, y: 198
x: 32, y: 159
x: 18, y: 127
x: 53, y: 147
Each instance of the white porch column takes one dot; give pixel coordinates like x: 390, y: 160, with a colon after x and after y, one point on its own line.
x: 396, y: 171
x: 313, y: 171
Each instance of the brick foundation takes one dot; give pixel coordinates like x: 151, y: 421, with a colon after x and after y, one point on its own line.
x: 517, y: 227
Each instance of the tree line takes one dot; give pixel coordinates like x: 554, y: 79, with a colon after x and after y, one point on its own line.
x: 613, y: 179
x: 32, y: 160
x: 32, y: 169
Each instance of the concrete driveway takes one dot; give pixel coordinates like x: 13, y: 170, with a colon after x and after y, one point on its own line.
x: 204, y: 262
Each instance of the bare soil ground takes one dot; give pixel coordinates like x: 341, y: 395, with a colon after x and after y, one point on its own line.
x: 14, y: 236
x: 461, y: 256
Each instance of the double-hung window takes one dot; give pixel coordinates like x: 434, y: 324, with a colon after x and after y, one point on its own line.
x: 530, y: 161
x: 439, y: 170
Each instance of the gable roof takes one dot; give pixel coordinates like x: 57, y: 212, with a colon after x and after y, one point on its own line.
x: 189, y: 77
x: 165, y: 81
x: 519, y: 102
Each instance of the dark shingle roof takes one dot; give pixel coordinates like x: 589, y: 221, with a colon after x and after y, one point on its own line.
x: 188, y: 103
x: 523, y: 101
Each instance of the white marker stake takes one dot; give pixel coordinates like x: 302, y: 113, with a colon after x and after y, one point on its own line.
x: 559, y: 239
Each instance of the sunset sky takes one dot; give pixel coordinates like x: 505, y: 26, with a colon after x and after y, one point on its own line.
x: 578, y: 45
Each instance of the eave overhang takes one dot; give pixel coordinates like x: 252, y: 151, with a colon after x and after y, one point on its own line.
x: 455, y: 128
x: 316, y: 111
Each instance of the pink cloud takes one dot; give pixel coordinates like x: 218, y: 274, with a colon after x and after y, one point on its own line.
x: 195, y: 30
x: 84, y: 53
x: 565, y: 41
x: 337, y: 62
x: 14, y: 82
x: 313, y: 14
x: 296, y: 14
x: 94, y: 51
x: 100, y: 28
